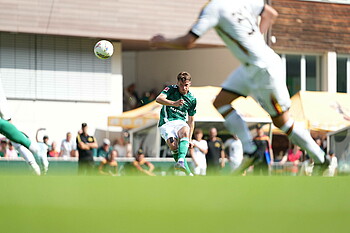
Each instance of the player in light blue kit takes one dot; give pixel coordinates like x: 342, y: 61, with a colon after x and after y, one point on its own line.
x: 178, y: 105
x: 260, y: 74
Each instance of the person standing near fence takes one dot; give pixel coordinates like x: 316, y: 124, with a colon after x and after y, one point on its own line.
x: 234, y: 151
x: 266, y: 158
x: 86, y: 144
x: 216, y: 154
x: 200, y: 148
x: 68, y: 147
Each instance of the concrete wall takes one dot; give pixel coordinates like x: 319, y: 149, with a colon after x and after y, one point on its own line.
x: 60, y: 117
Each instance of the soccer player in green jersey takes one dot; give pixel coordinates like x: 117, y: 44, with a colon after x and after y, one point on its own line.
x: 178, y: 105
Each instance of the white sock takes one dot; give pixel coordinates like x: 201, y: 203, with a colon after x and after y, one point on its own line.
x: 34, y: 148
x: 235, y: 124
x: 28, y: 156
x: 44, y: 161
x: 302, y: 138
x: 181, y: 160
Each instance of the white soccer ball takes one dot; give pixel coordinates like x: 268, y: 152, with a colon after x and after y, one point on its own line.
x: 103, y: 49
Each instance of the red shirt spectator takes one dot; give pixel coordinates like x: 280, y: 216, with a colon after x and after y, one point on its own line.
x: 53, y: 152
x: 294, y: 155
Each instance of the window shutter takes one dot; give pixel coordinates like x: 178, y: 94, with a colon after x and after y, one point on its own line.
x: 53, y: 68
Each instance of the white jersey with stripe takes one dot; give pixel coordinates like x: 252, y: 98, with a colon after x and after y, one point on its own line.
x: 236, y: 22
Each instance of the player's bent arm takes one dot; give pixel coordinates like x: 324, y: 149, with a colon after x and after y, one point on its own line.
x: 162, y: 99
x: 268, y: 17
x: 186, y: 41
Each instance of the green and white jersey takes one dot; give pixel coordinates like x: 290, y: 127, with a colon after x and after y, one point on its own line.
x: 171, y: 113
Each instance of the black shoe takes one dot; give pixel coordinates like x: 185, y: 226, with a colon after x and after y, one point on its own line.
x: 251, y: 159
x: 320, y: 168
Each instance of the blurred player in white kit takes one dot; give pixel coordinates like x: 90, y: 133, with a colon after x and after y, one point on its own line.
x: 260, y: 74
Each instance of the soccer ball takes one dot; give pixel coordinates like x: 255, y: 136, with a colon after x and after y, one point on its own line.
x: 103, y: 49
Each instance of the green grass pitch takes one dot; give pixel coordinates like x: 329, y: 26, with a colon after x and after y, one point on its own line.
x: 174, y: 204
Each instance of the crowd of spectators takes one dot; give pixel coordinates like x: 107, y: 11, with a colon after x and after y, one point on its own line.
x: 7, y: 150
x: 225, y: 158
x: 210, y: 155
x: 132, y: 100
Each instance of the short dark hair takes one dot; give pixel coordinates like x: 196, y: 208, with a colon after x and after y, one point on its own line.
x: 83, y: 125
x: 198, y: 130
x: 184, y: 76
x: 140, y: 151
x: 259, y: 126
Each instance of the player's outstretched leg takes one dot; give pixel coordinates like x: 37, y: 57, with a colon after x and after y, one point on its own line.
x: 11, y: 132
x: 301, y: 137
x: 236, y: 125
x: 175, y: 154
x: 28, y: 156
x: 188, y: 170
x: 180, y: 165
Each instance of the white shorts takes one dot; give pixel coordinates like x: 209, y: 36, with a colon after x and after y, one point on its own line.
x: 266, y: 85
x: 200, y: 170
x: 171, y: 128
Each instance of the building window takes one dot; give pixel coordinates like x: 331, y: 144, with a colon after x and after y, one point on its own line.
x: 302, y: 72
x: 59, y: 68
x: 343, y: 74
x: 311, y: 73
x: 293, y: 73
